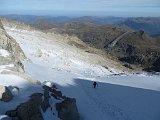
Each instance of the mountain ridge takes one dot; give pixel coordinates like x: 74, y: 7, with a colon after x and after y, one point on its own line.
x: 147, y: 24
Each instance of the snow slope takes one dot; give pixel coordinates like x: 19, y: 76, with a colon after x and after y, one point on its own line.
x: 117, y: 97
x: 26, y: 89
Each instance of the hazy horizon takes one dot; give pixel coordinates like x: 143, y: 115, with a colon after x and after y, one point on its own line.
x: 124, y: 8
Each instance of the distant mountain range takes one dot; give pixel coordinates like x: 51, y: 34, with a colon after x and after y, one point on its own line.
x: 151, y: 25
x: 31, y: 19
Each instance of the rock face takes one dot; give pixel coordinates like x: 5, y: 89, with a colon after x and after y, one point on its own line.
x: 9, y: 44
x: 67, y: 109
x: 5, y: 94
x: 29, y: 110
x: 45, y: 103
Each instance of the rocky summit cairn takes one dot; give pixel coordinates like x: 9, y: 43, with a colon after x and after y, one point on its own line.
x: 5, y: 94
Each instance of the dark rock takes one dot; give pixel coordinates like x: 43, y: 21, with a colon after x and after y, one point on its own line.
x: 67, y: 110
x: 5, y: 94
x: 15, y: 118
x: 128, y: 66
x: 29, y: 110
x: 53, y: 95
x: 45, y: 103
x: 11, y: 113
x: 46, y: 88
x: 57, y: 93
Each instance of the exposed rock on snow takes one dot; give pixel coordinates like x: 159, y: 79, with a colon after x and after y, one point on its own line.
x: 5, y: 94
x: 45, y: 103
x: 10, y: 51
x: 67, y: 110
x: 29, y: 110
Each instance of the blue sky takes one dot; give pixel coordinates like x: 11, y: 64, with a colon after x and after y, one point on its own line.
x: 82, y: 7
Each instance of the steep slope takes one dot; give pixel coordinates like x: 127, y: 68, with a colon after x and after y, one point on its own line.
x: 124, y: 44
x: 63, y: 52
x: 98, y: 36
x: 115, y: 98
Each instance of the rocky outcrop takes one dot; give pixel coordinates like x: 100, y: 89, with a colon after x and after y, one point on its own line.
x: 9, y: 44
x: 45, y: 103
x: 31, y: 110
x: 5, y: 94
x: 67, y: 109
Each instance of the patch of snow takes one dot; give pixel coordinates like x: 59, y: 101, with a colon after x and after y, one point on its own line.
x: 51, y: 112
x: 48, y: 83
x: 4, y: 53
x: 4, y: 117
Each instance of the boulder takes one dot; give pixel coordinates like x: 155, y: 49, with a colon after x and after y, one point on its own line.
x: 29, y: 110
x: 5, y: 94
x: 67, y: 109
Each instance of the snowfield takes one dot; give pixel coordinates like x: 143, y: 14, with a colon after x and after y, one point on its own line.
x: 117, y: 97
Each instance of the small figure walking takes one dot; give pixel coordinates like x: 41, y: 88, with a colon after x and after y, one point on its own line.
x: 95, y: 84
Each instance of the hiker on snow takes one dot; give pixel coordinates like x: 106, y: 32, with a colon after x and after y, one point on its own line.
x: 95, y: 84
